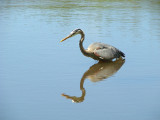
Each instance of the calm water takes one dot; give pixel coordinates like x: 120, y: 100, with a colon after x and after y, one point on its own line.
x: 40, y: 77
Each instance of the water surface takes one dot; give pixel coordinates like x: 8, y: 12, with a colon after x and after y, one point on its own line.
x: 38, y: 73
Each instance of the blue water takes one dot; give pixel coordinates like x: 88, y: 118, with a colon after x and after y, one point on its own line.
x: 36, y: 69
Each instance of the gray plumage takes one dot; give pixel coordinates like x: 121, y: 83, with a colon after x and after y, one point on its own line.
x: 97, y: 51
x: 105, y: 51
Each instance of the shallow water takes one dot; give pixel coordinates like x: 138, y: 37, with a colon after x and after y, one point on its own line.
x: 40, y: 77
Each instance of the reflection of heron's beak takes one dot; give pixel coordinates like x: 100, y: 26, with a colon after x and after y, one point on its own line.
x: 66, y: 38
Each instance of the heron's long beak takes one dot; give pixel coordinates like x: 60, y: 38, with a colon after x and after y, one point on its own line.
x: 66, y: 38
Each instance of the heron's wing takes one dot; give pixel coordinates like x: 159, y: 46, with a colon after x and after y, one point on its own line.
x: 96, y: 45
x: 107, y: 53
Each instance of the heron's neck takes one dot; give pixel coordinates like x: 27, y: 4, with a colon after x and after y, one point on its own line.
x: 81, y: 45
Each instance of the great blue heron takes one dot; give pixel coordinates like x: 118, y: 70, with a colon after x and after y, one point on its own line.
x: 97, y: 51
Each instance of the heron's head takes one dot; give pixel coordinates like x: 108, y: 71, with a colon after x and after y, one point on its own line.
x: 73, y: 33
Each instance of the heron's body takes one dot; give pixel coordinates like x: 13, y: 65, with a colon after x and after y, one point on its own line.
x: 104, y: 51
x: 97, y: 51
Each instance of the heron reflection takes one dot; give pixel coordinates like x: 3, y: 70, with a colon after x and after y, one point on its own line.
x: 96, y: 73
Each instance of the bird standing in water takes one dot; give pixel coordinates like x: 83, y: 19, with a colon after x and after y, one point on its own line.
x: 97, y: 51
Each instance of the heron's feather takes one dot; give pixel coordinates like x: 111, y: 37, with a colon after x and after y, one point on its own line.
x: 105, y: 51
